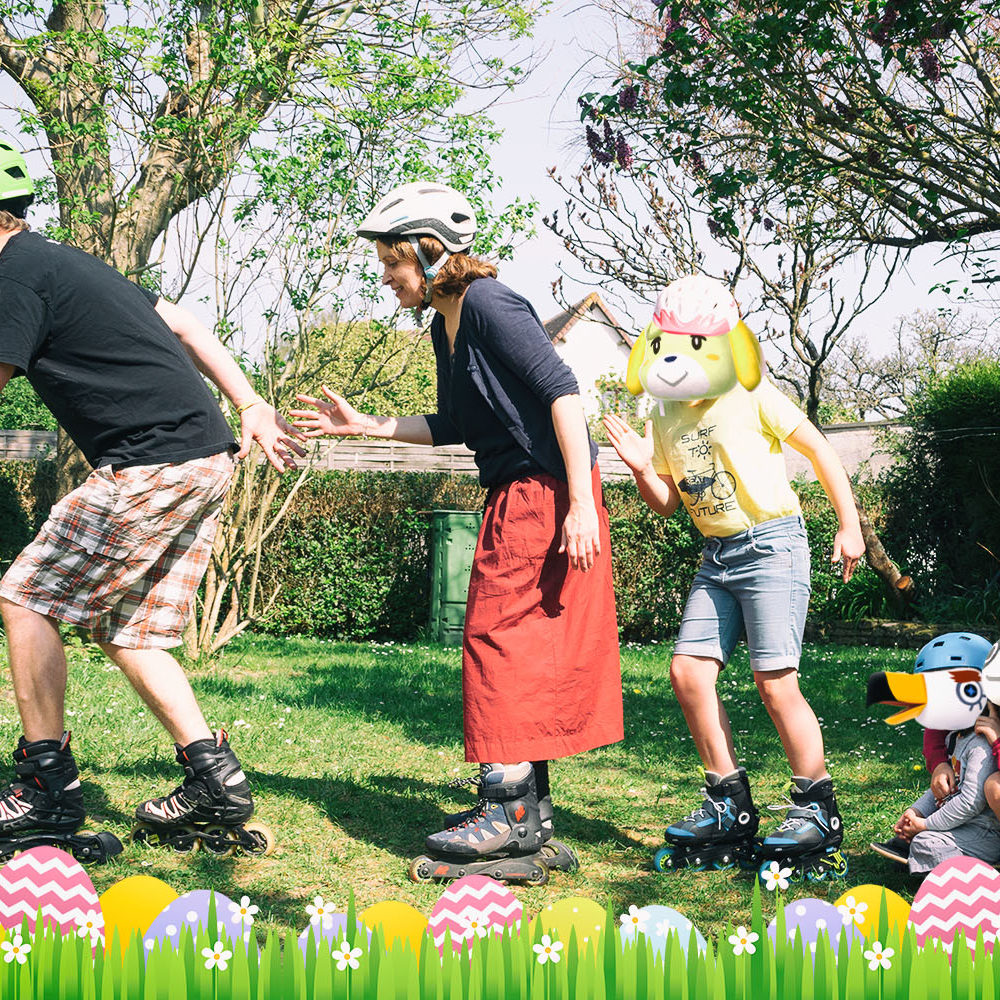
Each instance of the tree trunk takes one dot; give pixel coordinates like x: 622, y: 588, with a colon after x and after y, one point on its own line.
x: 71, y: 467
x: 898, y: 588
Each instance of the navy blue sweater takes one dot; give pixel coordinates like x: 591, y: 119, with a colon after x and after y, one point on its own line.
x: 516, y: 375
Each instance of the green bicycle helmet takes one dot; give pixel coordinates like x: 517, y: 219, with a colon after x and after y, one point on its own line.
x: 17, y: 191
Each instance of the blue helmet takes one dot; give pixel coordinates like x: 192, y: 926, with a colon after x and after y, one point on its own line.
x: 953, y: 649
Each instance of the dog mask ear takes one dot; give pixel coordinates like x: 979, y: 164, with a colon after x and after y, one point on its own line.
x: 635, y: 359
x: 746, y: 355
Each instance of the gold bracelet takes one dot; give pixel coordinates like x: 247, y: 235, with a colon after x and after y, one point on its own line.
x: 246, y: 406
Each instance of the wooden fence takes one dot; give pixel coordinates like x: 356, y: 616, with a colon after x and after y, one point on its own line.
x: 857, y: 445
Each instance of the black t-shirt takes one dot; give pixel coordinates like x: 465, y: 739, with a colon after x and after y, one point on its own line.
x: 114, y: 375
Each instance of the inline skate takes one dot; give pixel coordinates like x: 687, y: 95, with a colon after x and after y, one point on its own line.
x: 808, y: 840
x: 506, y: 835
x: 719, y: 833
x: 44, y: 805
x: 209, y: 811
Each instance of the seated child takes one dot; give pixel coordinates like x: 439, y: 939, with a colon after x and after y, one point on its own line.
x: 946, y: 689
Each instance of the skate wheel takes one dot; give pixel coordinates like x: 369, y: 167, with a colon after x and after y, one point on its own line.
x: 263, y: 839
x: 144, y: 833
x: 662, y: 859
x: 191, y: 842
x: 539, y: 876
x: 420, y: 870
x: 219, y: 841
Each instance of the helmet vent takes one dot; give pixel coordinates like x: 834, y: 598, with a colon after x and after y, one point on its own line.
x: 958, y: 658
x: 392, y: 204
x: 16, y: 172
x: 457, y: 217
x: 4, y: 146
x: 938, y: 643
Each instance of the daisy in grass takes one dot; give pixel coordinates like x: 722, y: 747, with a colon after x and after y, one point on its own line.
x: 548, y: 950
x: 216, y: 957
x: 15, y: 950
x: 475, y: 925
x: 879, y: 956
x: 852, y: 911
x: 743, y: 941
x: 86, y: 926
x: 320, y: 913
x: 634, y: 919
x: 346, y: 956
x: 776, y: 877
x: 244, y: 911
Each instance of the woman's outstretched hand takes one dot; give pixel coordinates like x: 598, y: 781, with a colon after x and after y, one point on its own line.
x: 636, y: 452
x: 330, y: 417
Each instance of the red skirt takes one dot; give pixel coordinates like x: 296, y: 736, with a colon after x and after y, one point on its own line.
x: 541, y: 674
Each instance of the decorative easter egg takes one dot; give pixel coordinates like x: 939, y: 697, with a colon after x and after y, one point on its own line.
x: 960, y: 894
x: 657, y: 923
x: 472, y: 907
x: 577, y: 913
x: 131, y: 906
x: 47, y: 879
x: 191, y: 910
x: 329, y: 932
x: 809, y: 918
x: 862, y: 907
x: 397, y: 922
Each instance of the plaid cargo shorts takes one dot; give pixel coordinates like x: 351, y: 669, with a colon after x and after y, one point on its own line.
x: 123, y: 554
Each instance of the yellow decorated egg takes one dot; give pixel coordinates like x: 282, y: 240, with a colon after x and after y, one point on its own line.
x: 577, y: 913
x: 862, y: 907
x: 396, y: 922
x: 131, y: 906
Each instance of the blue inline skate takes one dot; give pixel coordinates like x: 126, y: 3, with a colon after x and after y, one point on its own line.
x: 719, y: 833
x: 808, y: 841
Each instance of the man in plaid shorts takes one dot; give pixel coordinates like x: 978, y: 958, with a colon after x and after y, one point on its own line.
x: 120, y: 368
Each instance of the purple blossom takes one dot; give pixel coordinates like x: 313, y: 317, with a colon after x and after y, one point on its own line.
x: 882, y: 27
x: 696, y: 163
x: 629, y: 97
x: 768, y: 223
x: 597, y: 147
x: 623, y: 153
x: 929, y: 62
x: 715, y: 228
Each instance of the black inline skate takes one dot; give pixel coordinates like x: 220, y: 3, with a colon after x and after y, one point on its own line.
x: 502, y: 836
x: 808, y: 841
x: 44, y: 805
x: 559, y: 857
x: 719, y: 833
x: 209, y: 811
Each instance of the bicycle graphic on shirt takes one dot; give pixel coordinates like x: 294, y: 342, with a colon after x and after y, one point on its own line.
x: 722, y: 485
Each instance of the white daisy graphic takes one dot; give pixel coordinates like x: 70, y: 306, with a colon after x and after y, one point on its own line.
x: 743, y: 941
x: 216, y: 957
x: 776, y: 877
x: 345, y: 956
x: 475, y: 924
x: 15, y: 950
x: 244, y: 911
x: 548, y: 950
x: 320, y: 913
x: 852, y: 911
x: 879, y: 956
x: 634, y: 919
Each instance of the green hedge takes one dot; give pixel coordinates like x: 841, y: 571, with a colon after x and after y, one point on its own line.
x: 352, y: 561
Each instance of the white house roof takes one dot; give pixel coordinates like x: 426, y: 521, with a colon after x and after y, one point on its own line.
x: 560, y: 325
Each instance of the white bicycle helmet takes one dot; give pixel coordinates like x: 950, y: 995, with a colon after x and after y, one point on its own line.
x: 423, y: 208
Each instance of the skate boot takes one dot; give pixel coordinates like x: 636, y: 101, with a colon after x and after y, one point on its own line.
x: 209, y: 811
x: 502, y: 837
x: 558, y: 856
x: 896, y: 849
x: 719, y: 833
x: 808, y: 840
x: 44, y: 805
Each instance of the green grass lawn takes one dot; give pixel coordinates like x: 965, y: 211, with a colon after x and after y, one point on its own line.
x: 349, y: 748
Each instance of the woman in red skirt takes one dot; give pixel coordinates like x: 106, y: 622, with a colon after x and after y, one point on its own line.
x: 540, y: 667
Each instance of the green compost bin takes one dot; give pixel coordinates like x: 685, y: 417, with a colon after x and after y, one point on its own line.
x: 453, y: 544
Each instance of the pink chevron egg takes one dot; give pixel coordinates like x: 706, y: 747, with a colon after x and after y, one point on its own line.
x: 960, y: 894
x: 51, y: 881
x: 473, y: 907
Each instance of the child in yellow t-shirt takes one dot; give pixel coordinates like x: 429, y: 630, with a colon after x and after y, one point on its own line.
x: 714, y: 443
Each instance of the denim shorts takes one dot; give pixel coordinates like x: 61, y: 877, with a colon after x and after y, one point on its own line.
x: 758, y: 579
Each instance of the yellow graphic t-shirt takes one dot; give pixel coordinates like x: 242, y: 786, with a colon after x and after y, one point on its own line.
x: 725, y: 457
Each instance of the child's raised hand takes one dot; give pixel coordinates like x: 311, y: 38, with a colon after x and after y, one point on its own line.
x: 849, y: 545
x: 989, y: 725
x: 636, y: 452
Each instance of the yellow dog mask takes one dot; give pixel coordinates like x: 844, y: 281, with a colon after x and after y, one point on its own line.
x: 696, y: 347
